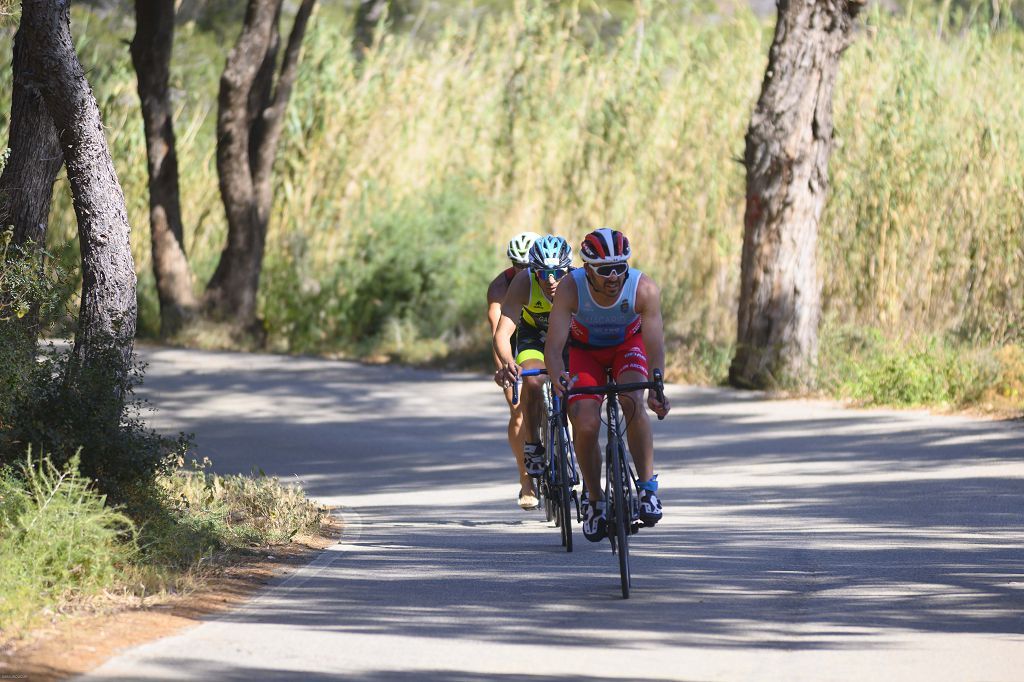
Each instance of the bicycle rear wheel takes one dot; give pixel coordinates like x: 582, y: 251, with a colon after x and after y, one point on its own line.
x: 564, y: 487
x: 544, y: 480
x: 621, y: 513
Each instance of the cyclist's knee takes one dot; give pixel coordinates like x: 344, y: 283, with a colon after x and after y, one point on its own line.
x: 515, y: 420
x: 633, y: 403
x: 533, y: 385
x: 586, y: 416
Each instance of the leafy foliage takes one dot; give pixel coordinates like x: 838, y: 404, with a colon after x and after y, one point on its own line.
x: 58, y: 538
x: 538, y: 116
x: 408, y: 280
x: 61, y: 543
x: 866, y: 366
x: 90, y: 417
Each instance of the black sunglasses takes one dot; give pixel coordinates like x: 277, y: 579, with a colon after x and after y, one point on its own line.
x: 610, y: 269
x: 557, y: 273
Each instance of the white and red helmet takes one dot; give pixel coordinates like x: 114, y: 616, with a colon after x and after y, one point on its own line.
x: 605, y: 245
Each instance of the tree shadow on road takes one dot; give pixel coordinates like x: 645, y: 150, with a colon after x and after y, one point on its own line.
x: 809, y: 531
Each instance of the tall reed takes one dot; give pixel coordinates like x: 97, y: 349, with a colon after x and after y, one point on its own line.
x: 537, y: 119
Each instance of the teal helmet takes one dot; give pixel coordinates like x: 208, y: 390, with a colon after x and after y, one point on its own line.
x: 550, y: 252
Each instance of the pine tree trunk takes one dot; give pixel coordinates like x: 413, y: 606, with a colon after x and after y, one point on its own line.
x: 249, y: 122
x: 788, y: 144
x: 26, y: 187
x: 368, y: 16
x: 151, y: 56
x: 106, y: 323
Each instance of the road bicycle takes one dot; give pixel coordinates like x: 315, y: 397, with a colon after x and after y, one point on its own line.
x: 622, y: 506
x: 555, y: 487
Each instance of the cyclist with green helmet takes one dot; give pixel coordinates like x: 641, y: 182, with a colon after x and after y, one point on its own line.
x: 519, y: 254
x: 527, y: 305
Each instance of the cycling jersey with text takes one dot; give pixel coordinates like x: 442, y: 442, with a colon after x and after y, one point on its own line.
x: 597, y: 326
x: 536, y: 312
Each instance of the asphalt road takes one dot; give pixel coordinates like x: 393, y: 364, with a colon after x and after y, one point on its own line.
x: 801, y: 541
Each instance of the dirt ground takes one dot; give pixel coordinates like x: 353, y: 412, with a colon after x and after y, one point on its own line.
x: 79, y: 643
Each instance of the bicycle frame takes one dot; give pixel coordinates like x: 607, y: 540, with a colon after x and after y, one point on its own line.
x: 620, y: 480
x: 562, y: 472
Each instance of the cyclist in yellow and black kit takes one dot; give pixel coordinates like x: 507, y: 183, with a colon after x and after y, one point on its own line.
x: 519, y: 254
x: 528, y: 302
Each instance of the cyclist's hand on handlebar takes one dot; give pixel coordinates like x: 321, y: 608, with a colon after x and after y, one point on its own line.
x: 564, y: 383
x: 508, y: 373
x: 659, y: 408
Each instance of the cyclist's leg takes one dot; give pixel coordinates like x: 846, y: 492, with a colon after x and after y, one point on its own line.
x: 585, y: 415
x: 516, y: 440
x: 638, y: 427
x: 530, y: 355
x: 630, y: 366
x: 531, y: 396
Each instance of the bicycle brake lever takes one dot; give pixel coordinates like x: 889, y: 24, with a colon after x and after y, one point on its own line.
x: 660, y: 390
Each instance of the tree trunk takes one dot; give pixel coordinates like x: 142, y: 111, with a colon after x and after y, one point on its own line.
x: 368, y: 16
x: 26, y: 186
x: 151, y: 56
x: 106, y: 322
x: 788, y: 145
x: 249, y: 122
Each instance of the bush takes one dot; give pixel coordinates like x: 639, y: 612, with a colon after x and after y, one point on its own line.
x: 89, y: 416
x: 57, y: 538
x: 92, y: 417
x: 29, y: 299
x: 247, y: 510
x: 868, y: 367
x: 60, y: 542
x: 412, y: 281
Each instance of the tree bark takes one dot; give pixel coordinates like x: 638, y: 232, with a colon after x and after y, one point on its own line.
x: 151, y: 55
x: 107, y: 318
x: 368, y: 16
x: 788, y: 145
x: 250, y: 116
x: 26, y: 186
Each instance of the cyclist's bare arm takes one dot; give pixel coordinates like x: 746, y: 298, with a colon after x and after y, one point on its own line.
x: 495, y: 295
x: 562, y: 308
x: 652, y: 330
x: 516, y: 297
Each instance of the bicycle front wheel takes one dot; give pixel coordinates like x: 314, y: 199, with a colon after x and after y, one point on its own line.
x: 621, y: 514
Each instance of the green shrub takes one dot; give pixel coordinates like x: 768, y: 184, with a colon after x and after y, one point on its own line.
x: 90, y: 417
x: 199, y: 512
x: 58, y: 538
x: 30, y: 298
x: 413, y: 277
x: 872, y: 369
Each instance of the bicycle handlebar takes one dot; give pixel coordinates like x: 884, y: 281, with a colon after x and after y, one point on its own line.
x: 657, y: 385
x: 524, y: 373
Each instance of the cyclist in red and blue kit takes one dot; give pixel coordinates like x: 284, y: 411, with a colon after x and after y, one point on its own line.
x: 611, y: 315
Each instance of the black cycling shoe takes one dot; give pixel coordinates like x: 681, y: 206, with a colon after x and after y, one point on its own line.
x: 595, y: 526
x: 650, y: 508
x: 533, y: 459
